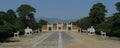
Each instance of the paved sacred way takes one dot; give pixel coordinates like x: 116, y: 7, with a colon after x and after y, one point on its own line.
x: 54, y: 40
x: 76, y: 40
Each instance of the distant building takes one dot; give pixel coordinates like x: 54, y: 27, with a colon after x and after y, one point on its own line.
x: 60, y: 27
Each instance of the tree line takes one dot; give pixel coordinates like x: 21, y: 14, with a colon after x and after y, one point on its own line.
x: 12, y: 21
x: 97, y: 18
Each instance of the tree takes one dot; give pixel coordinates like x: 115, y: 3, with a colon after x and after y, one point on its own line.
x: 42, y: 22
x: 6, y: 30
x: 97, y: 13
x: 115, y: 22
x: 83, y: 22
x: 23, y: 11
x: 2, y: 17
x: 19, y: 25
x: 7, y: 23
x: 118, y: 6
x: 32, y: 23
x: 11, y: 16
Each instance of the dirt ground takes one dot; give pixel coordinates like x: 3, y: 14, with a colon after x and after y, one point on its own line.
x: 24, y: 41
x: 83, y: 40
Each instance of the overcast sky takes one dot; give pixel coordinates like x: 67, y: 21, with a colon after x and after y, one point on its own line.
x: 63, y: 9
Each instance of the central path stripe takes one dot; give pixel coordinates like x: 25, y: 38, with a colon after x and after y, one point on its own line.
x: 60, y: 40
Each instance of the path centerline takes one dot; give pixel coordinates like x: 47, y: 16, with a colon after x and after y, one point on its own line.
x: 60, y: 40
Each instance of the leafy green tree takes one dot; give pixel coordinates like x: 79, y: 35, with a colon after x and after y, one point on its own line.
x: 2, y: 17
x: 118, y: 6
x: 115, y: 21
x: 104, y: 26
x: 11, y: 16
x: 6, y: 30
x: 85, y: 22
x: 19, y: 26
x: 7, y: 20
x: 32, y: 23
x: 23, y: 11
x: 42, y: 22
x: 97, y: 13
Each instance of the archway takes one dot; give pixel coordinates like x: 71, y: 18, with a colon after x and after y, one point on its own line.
x: 50, y: 28
x: 69, y: 28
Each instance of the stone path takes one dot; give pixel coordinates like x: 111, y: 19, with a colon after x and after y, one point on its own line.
x: 55, y: 40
